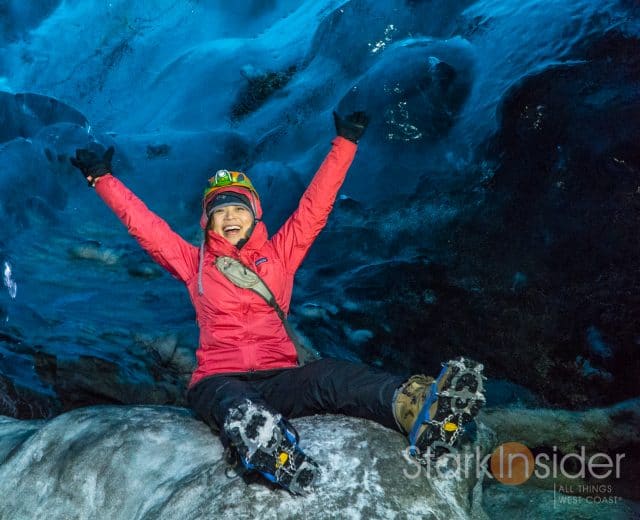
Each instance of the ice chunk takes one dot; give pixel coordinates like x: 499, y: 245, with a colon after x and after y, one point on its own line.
x: 160, y: 462
x: 8, y: 280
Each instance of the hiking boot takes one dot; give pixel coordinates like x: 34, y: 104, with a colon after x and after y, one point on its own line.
x: 433, y: 412
x: 409, y: 400
x: 265, y: 444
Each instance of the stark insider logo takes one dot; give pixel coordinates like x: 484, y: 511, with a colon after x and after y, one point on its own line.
x: 513, y: 463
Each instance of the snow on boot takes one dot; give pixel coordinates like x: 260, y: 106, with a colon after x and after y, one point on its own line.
x: 265, y: 444
x: 433, y: 412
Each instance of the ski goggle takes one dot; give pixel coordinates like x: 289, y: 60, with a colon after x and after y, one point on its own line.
x: 226, y: 179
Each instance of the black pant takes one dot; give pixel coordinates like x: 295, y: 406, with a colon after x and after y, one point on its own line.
x: 324, y: 386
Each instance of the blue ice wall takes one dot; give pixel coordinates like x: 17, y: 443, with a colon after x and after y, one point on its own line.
x: 492, y: 209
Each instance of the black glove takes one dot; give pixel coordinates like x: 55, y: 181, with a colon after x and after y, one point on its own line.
x: 92, y: 164
x: 351, y: 127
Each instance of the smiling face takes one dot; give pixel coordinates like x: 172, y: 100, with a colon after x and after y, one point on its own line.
x: 231, y: 222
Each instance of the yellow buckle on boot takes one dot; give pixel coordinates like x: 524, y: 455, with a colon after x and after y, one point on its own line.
x: 450, y: 427
x: 282, y: 459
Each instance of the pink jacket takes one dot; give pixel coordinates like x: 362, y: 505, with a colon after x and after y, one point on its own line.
x: 239, y: 331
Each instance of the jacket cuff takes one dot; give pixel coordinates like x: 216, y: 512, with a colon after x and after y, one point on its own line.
x: 344, y: 144
x: 102, y: 181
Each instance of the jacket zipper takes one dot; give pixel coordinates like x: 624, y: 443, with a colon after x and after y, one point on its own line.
x: 252, y: 357
x: 251, y: 349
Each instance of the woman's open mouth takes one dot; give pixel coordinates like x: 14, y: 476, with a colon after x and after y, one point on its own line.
x: 231, y: 231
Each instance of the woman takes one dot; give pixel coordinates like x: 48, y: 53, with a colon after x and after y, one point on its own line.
x: 248, y: 376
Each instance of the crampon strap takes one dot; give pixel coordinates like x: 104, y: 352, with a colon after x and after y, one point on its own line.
x: 424, y: 415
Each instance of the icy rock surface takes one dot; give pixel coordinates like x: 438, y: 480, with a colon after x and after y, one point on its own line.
x: 161, y: 463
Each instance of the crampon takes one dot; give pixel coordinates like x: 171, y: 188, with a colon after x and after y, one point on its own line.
x: 267, y: 445
x: 455, y: 399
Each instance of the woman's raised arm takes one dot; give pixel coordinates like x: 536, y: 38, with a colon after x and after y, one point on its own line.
x: 156, y: 237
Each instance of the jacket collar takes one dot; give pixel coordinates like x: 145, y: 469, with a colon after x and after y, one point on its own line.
x: 219, y: 246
